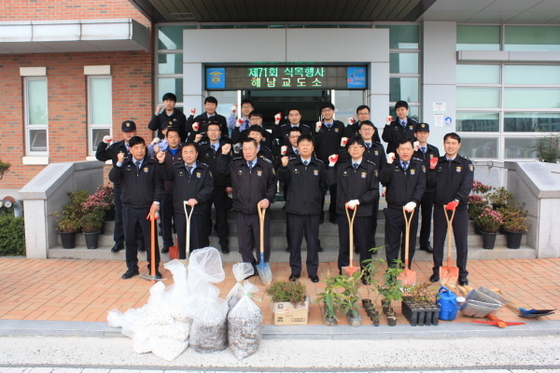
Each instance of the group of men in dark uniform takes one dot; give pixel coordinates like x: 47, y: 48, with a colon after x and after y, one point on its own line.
x: 197, y: 164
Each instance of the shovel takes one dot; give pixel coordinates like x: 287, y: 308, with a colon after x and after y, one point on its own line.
x: 188, y: 215
x: 449, y: 274
x: 265, y: 273
x: 350, y: 270
x: 152, y: 275
x: 174, y: 250
x: 408, y: 277
x: 523, y: 312
x: 498, y: 322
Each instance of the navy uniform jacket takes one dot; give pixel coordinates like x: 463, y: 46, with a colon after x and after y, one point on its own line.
x: 431, y: 152
x: 139, y: 190
x: 394, y: 132
x: 375, y: 154
x: 170, y: 159
x: 305, y: 186
x: 452, y: 180
x: 207, y: 155
x: 249, y: 187
x: 327, y: 140
x: 403, y: 186
x: 199, y: 185
x: 237, y: 136
x: 105, y: 152
x: 361, y: 184
x: 281, y: 133
x: 162, y: 120
x: 203, y: 120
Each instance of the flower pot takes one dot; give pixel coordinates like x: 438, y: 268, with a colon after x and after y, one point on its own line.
x: 477, y: 229
x: 366, y: 301
x: 68, y: 239
x: 375, y: 318
x: 330, y: 321
x: 391, y: 319
x: 489, y: 240
x: 514, y: 239
x: 420, y: 314
x: 92, y: 240
x: 354, y: 319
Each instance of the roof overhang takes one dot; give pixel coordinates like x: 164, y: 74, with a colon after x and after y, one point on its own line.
x: 61, y: 36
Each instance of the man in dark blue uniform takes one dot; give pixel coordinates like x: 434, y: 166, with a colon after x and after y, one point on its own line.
x: 199, y: 124
x: 358, y: 186
x: 305, y: 180
x: 142, y: 191
x: 426, y: 152
x: 405, y: 179
x: 167, y: 115
x: 452, y: 177
x: 254, y: 183
x: 400, y: 128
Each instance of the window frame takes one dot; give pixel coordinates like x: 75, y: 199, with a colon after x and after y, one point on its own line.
x: 35, y: 127
x: 91, y: 126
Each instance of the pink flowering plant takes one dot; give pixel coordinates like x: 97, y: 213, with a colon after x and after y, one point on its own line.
x: 489, y: 220
x: 476, y: 204
x: 480, y: 188
x: 95, y: 208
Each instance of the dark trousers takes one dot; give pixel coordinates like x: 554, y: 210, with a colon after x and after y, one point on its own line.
x: 332, y: 206
x: 134, y: 221
x: 248, y: 231
x: 166, y: 217
x: 374, y: 223
x: 219, y: 197
x: 362, y: 231
x: 197, y: 222
x: 426, y: 207
x: 395, y: 235
x: 460, y: 232
x: 298, y: 225
x: 118, y: 233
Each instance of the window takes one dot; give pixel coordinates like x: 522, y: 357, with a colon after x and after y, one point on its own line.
x: 100, y: 111
x: 36, y: 115
x: 532, y: 38
x: 478, y: 38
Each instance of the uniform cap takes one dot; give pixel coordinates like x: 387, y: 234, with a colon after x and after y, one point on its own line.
x: 128, y: 126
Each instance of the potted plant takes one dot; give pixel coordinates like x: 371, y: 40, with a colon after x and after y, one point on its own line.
x: 349, y: 297
x: 290, y: 302
x: 91, y: 224
x: 419, y: 304
x: 370, y: 277
x: 68, y: 219
x: 514, y: 224
x: 476, y: 205
x: 500, y: 197
x: 547, y: 148
x: 330, y: 300
x: 391, y: 291
x: 105, y: 195
x: 96, y: 206
x: 489, y: 222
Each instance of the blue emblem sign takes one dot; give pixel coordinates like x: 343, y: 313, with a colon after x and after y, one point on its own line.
x: 356, y: 77
x: 215, y: 77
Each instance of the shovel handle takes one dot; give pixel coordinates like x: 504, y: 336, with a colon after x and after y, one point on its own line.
x: 501, y: 323
x: 262, y: 213
x: 449, y: 231
x: 408, y: 221
x: 351, y: 230
x: 188, y: 214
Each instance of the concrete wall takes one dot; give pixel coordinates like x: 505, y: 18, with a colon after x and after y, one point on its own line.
x: 46, y: 193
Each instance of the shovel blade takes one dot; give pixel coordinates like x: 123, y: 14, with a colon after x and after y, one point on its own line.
x: 265, y: 273
x: 173, y: 252
x: 350, y: 270
x: 408, y: 277
x: 449, y: 274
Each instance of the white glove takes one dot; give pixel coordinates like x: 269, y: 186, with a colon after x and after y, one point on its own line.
x: 390, y: 158
x: 351, y: 120
x: 343, y: 141
x: 277, y: 118
x: 283, y: 150
x: 195, y: 126
x: 192, y: 111
x: 239, y: 122
x: 352, y: 204
x: 416, y: 145
x: 389, y: 119
x: 318, y: 126
x: 107, y: 139
x: 410, y: 206
x: 333, y: 158
x: 234, y: 109
x: 383, y: 191
x: 156, y: 141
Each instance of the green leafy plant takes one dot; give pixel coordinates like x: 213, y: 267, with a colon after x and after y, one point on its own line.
x: 422, y: 293
x: 12, y: 236
x: 92, y: 221
x: 330, y: 297
x: 349, y: 297
x: 489, y: 220
x: 547, y: 148
x: 68, y: 220
x: 391, y: 289
x: 285, y: 291
x: 4, y: 167
x: 514, y: 219
x: 476, y: 205
x: 500, y: 197
x: 371, y: 269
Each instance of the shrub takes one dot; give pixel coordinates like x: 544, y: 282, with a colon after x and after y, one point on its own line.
x: 12, y: 236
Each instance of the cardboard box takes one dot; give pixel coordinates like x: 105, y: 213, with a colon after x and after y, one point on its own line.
x: 284, y: 313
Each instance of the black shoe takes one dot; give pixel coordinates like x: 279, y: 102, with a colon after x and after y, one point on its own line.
x: 165, y: 250
x: 293, y: 278
x: 225, y: 250
x: 356, y: 250
x: 141, y: 249
x: 429, y: 249
x: 158, y: 275
x: 118, y: 247
x: 435, y: 276
x: 320, y: 249
x: 314, y: 278
x: 129, y: 273
x: 288, y: 250
x: 463, y: 281
x: 365, y: 281
x: 333, y: 218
